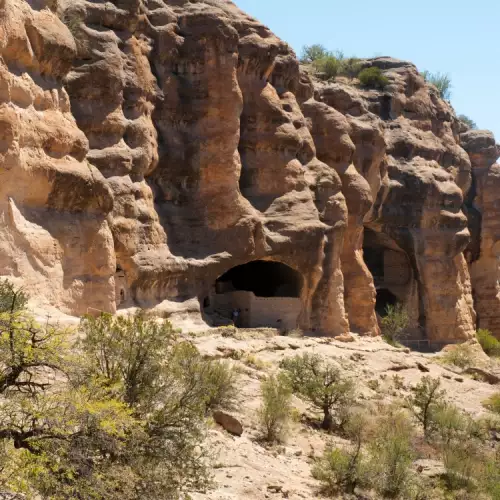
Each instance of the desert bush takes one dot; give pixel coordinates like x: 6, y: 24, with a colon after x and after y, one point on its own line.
x: 321, y: 383
x: 395, y: 323
x: 441, y: 81
x: 491, y: 476
x: 448, y: 423
x: 222, y: 382
x: 493, y: 403
x: 125, y: 419
x: 276, y: 408
x: 392, y: 455
x: 328, y: 67
x: 373, y: 78
x: 464, y: 463
x: 468, y: 121
x: 427, y: 397
x: 311, y: 53
x: 342, y: 470
x: 398, y: 381
x: 451, y: 424
x: 460, y: 355
x: 350, y: 67
x: 254, y: 362
x: 489, y: 343
x: 460, y: 441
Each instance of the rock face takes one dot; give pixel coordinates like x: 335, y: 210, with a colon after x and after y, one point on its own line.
x: 148, y: 147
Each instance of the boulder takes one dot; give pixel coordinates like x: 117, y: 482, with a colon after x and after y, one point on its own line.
x: 228, y: 422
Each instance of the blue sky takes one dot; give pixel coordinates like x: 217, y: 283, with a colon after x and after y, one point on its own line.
x: 459, y: 37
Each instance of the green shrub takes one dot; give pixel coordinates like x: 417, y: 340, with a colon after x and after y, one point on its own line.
x: 12, y: 299
x: 468, y: 121
x: 328, y: 67
x: 343, y: 470
x: 448, y: 423
x: 373, y: 78
x: 441, y: 81
x: 222, y: 382
x: 276, y: 408
x: 350, y: 67
x: 323, y: 386
x: 489, y: 343
x: 493, y: 403
x: 254, y: 362
x: 464, y: 461
x: 392, y: 455
x: 311, y: 53
x: 460, y: 355
x: 426, y: 398
x: 492, y: 476
x: 395, y: 323
x: 119, y: 416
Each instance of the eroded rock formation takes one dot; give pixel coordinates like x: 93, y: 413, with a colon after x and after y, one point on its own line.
x: 149, y: 146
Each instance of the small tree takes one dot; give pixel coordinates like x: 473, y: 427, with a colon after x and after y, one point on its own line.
x: 276, y: 408
x: 321, y: 383
x: 311, y: 53
x: 441, y: 81
x: 468, y: 121
x: 392, y: 455
x: 122, y: 418
x: 426, y: 398
x: 395, y: 323
x: 373, y: 78
x: 328, y: 67
x: 343, y: 470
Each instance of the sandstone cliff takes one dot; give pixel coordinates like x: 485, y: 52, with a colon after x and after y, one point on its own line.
x: 147, y: 147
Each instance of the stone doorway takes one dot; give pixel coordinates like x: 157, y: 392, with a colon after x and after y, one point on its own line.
x: 263, y: 293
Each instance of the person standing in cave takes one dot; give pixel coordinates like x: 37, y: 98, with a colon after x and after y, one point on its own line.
x: 236, y: 317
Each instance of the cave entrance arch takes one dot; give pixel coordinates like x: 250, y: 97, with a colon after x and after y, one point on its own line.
x: 258, y: 294
x: 390, y: 268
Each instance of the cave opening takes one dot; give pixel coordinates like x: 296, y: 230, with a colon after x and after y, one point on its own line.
x: 384, y: 298
x: 390, y: 268
x: 263, y: 278
x: 256, y: 294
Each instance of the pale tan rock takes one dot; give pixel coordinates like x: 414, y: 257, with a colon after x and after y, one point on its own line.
x: 54, y: 231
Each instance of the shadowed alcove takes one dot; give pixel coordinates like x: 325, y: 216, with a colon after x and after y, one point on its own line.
x: 257, y: 294
x: 390, y: 268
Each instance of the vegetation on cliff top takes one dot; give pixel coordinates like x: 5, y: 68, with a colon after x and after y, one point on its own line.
x: 329, y: 64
